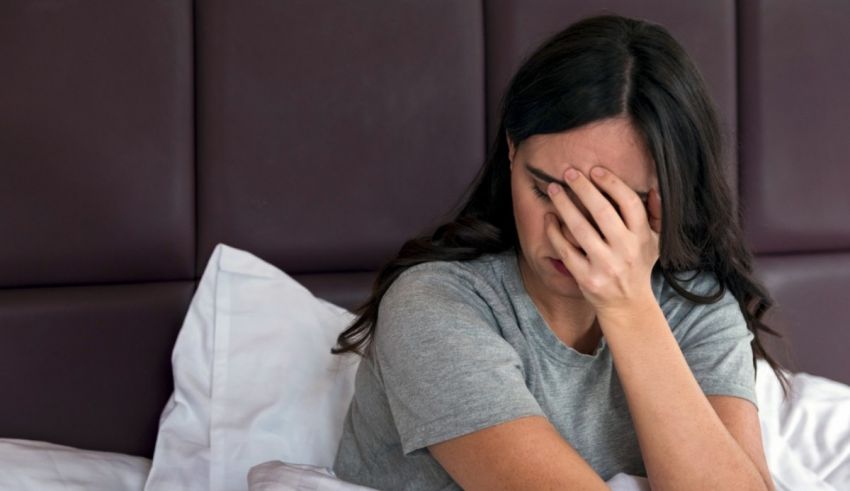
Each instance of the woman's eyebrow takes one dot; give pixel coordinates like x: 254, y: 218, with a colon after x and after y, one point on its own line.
x: 539, y: 174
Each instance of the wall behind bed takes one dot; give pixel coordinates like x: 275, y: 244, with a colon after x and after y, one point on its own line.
x: 135, y: 136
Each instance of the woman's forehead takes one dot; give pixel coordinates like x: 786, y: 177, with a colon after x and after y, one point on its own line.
x: 611, y: 143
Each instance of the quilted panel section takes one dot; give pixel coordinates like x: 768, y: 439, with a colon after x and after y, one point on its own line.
x: 795, y: 118
x: 330, y: 132
x: 811, y: 308
x: 89, y: 367
x: 96, y: 142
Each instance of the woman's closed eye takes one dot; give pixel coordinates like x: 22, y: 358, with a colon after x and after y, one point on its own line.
x: 545, y: 197
x: 540, y: 194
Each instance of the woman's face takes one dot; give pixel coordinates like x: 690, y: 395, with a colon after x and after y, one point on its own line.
x: 612, y: 143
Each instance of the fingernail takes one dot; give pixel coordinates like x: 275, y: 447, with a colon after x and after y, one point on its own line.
x: 571, y: 174
x: 553, y: 188
x: 598, y: 171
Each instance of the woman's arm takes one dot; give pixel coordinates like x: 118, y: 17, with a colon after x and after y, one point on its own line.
x: 526, y: 453
x: 683, y: 440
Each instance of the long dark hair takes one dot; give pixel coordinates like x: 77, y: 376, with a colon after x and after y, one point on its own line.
x: 603, y: 67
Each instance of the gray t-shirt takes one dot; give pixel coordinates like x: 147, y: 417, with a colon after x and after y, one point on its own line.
x: 460, y: 346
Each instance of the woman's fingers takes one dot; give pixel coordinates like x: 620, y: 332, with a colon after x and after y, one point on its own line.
x: 586, y: 236
x: 630, y: 203
x: 601, y: 210
x: 572, y: 257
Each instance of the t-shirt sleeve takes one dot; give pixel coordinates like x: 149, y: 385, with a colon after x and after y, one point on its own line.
x: 716, y: 343
x: 445, y: 368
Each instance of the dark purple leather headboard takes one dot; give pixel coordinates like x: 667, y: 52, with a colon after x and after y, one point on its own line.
x: 135, y: 136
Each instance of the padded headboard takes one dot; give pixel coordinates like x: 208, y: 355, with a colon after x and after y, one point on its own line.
x: 319, y: 135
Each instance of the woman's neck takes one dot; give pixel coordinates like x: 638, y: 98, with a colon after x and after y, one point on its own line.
x: 572, y: 319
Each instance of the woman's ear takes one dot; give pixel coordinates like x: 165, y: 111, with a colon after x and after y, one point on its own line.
x: 654, y: 209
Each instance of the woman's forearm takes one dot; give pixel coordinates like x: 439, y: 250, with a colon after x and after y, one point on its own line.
x: 682, y: 439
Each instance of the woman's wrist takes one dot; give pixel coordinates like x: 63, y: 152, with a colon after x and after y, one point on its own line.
x: 630, y: 313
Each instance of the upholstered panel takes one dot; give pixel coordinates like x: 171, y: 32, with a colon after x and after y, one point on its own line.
x: 89, y: 366
x: 96, y: 183
x: 330, y: 131
x: 348, y: 290
x: 811, y: 294
x: 795, y: 118
x: 515, y: 28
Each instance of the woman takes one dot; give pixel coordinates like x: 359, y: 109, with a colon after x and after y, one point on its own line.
x: 590, y: 310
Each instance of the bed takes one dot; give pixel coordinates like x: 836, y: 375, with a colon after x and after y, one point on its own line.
x: 317, y: 136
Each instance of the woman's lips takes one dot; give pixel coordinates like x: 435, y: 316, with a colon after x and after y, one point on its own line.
x: 557, y: 264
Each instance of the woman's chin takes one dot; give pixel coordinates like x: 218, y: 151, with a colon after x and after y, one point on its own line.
x: 564, y: 285
x: 556, y: 278
x: 567, y: 288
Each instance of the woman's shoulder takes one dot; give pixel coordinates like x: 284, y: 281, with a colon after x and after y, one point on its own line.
x: 679, y: 309
x: 470, y: 289
x: 695, y: 281
x: 417, y: 306
x: 474, y: 275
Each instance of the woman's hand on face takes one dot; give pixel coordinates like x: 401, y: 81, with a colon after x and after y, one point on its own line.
x: 615, y: 274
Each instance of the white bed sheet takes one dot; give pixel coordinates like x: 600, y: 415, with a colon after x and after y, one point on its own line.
x: 27, y: 465
x: 806, y: 438
x: 280, y: 476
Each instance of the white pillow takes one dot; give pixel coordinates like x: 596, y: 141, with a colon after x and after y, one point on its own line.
x: 40, y: 466
x: 254, y: 379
